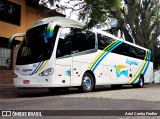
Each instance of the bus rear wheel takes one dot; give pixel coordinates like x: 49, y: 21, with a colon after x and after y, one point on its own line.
x: 88, y: 83
x: 140, y: 83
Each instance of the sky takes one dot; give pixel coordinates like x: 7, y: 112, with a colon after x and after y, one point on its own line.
x: 74, y: 15
x: 67, y: 12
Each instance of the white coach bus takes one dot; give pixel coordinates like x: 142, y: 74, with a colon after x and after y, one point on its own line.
x: 58, y: 52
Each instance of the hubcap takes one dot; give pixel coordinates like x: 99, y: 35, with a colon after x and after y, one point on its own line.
x: 87, y: 82
x: 141, y: 82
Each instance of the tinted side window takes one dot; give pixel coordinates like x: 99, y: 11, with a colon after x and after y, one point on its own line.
x: 64, y: 43
x: 82, y: 40
x: 103, y: 41
x: 129, y: 50
x: 74, y: 40
x: 123, y: 49
x: 137, y: 52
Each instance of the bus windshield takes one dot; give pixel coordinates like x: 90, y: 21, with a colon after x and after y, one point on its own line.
x: 37, y: 46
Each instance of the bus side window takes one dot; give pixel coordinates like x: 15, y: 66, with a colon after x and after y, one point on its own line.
x: 82, y: 40
x: 64, y: 43
x: 103, y: 41
x: 74, y: 40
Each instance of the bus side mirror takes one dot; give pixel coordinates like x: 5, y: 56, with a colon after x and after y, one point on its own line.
x: 12, y: 38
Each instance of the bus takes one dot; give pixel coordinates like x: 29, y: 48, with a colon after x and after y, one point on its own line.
x: 59, y: 52
x: 157, y: 76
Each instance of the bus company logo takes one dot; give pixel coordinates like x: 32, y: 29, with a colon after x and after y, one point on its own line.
x: 121, y: 70
x: 68, y: 72
x: 131, y: 62
x: 26, y: 70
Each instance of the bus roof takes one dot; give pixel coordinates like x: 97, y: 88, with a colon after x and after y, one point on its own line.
x: 65, y: 22
x: 61, y: 21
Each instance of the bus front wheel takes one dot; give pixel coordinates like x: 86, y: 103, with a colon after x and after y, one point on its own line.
x: 88, y: 83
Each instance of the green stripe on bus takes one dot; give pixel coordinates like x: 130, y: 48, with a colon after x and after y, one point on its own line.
x: 141, y: 70
x: 104, y: 52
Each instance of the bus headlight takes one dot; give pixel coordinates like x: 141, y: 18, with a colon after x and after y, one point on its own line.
x: 47, y: 72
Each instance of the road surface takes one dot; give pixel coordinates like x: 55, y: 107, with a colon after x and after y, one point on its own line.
x: 103, y: 98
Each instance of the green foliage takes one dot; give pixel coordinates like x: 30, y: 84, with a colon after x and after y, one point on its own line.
x: 96, y: 11
x: 139, y: 21
x: 45, y: 2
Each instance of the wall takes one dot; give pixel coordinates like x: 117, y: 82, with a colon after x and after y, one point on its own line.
x: 29, y: 16
x: 11, y: 29
x: 34, y: 15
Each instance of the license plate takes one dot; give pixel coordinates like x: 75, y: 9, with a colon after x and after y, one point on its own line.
x: 26, y: 81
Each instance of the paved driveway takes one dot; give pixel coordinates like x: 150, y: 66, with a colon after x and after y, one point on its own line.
x: 103, y: 98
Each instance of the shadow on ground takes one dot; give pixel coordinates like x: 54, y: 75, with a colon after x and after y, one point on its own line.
x: 9, y: 91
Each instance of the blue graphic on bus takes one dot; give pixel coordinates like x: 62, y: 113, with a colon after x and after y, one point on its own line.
x: 119, y: 70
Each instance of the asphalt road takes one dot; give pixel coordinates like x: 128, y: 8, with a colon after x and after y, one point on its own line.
x: 103, y: 98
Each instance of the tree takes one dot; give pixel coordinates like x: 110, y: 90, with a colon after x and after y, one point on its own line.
x: 139, y: 20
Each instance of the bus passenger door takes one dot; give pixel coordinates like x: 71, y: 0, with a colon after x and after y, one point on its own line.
x: 63, y: 72
x: 63, y: 59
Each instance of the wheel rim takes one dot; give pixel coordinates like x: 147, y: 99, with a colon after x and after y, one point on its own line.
x: 87, y: 82
x: 141, y: 82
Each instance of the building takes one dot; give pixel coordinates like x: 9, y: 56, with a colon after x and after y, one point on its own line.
x: 16, y: 16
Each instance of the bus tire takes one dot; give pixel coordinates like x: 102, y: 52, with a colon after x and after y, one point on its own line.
x: 88, y: 83
x: 140, y: 83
